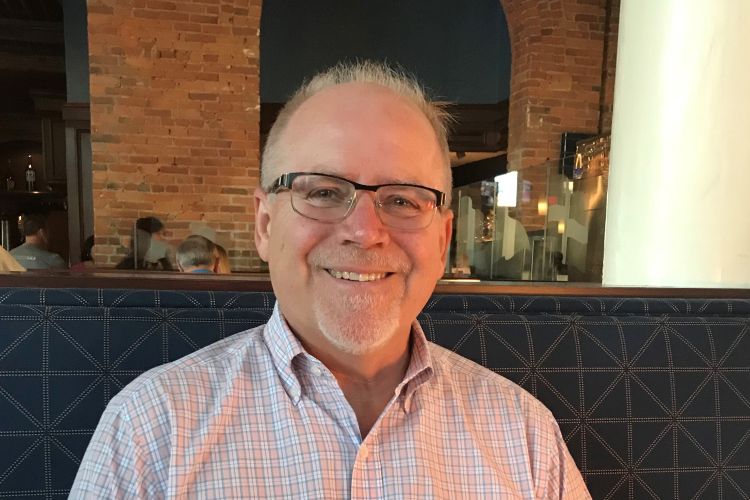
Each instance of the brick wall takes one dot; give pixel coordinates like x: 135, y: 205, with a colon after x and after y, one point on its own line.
x: 174, y: 117
x: 175, y: 107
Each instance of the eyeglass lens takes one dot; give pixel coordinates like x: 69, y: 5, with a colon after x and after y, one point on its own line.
x: 331, y: 199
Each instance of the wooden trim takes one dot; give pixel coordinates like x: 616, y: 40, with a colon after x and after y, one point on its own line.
x: 130, y: 280
x: 26, y: 31
x: 77, y: 112
x: 587, y: 290
x: 260, y: 283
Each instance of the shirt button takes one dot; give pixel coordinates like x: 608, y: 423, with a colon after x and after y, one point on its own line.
x: 317, y: 371
x: 364, y: 452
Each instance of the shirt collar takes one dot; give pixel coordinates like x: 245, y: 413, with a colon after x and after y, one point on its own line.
x: 420, y: 368
x: 283, y: 347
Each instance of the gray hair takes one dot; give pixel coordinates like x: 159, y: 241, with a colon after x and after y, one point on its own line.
x: 358, y: 72
x: 195, y: 251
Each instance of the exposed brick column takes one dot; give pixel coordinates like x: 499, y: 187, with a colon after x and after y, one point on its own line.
x: 557, y: 49
x: 174, y: 116
x: 556, y: 74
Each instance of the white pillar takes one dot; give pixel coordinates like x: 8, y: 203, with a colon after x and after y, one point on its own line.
x: 678, y: 206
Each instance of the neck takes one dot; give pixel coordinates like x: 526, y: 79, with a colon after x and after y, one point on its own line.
x: 386, y: 361
x: 36, y: 241
x: 368, y: 380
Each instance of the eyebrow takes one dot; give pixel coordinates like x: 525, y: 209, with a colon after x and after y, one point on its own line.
x: 321, y: 169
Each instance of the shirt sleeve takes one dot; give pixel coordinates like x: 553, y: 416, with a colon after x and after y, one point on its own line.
x: 119, y: 463
x: 564, y: 480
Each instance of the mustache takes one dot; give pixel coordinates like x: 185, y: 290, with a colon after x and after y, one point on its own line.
x: 374, y: 259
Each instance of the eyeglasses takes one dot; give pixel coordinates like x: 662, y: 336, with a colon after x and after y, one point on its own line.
x: 329, y: 198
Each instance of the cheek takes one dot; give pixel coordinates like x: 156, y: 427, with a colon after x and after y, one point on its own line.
x: 290, y: 243
x: 425, y: 257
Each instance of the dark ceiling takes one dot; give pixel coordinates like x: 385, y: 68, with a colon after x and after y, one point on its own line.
x: 32, y: 52
x: 32, y: 10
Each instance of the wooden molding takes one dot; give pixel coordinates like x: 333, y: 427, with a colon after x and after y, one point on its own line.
x: 156, y: 280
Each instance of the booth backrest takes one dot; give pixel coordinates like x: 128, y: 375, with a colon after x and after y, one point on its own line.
x: 652, y: 395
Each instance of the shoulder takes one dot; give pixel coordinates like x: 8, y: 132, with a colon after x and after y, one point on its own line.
x: 20, y: 249
x: 204, y: 371
x: 54, y: 260
x: 483, y: 391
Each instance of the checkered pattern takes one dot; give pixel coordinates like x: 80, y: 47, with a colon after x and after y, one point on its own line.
x: 653, y: 396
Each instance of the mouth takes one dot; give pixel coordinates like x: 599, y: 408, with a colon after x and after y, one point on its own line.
x: 361, y: 277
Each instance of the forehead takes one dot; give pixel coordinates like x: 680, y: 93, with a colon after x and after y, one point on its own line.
x: 365, y: 131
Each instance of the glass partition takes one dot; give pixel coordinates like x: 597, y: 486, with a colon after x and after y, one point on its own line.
x: 535, y: 224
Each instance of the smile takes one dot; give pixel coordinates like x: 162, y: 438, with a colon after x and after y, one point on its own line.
x: 351, y: 276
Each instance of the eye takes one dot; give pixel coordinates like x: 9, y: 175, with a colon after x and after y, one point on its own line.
x: 325, y: 194
x: 401, y: 203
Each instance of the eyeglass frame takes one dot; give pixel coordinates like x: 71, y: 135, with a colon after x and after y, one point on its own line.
x: 285, y: 181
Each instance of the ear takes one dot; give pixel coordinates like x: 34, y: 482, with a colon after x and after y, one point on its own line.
x: 446, y: 231
x: 262, y: 223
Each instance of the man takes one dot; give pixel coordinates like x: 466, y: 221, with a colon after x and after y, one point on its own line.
x: 196, y: 254
x: 339, y: 395
x: 34, y: 253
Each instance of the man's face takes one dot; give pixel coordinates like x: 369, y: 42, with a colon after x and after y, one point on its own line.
x: 369, y: 135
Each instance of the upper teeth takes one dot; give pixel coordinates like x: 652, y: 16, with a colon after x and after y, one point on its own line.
x: 356, y: 276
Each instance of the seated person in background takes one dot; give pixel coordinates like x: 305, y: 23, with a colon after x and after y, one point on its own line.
x: 87, y: 259
x: 222, y: 260
x: 339, y: 395
x: 148, y: 248
x: 8, y: 263
x: 159, y: 253
x: 196, y: 254
x: 33, y: 253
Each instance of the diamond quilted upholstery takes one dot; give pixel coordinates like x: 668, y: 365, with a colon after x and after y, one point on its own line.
x: 652, y: 395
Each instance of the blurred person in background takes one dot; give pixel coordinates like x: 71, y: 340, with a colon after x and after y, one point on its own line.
x: 222, y: 265
x: 148, y: 248
x: 34, y: 253
x: 87, y: 258
x: 196, y: 254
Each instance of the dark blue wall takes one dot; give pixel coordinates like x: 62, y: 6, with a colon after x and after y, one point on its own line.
x: 460, y: 49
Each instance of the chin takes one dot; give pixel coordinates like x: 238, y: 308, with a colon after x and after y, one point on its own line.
x: 358, y: 324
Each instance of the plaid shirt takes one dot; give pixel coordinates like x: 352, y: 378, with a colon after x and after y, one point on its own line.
x: 255, y: 416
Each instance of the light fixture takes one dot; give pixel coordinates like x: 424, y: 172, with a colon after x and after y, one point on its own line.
x: 507, y: 189
x: 542, y: 206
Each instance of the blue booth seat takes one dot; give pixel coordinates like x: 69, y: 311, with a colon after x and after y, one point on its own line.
x: 652, y: 395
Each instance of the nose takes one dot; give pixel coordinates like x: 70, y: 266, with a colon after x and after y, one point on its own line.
x: 363, y: 227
